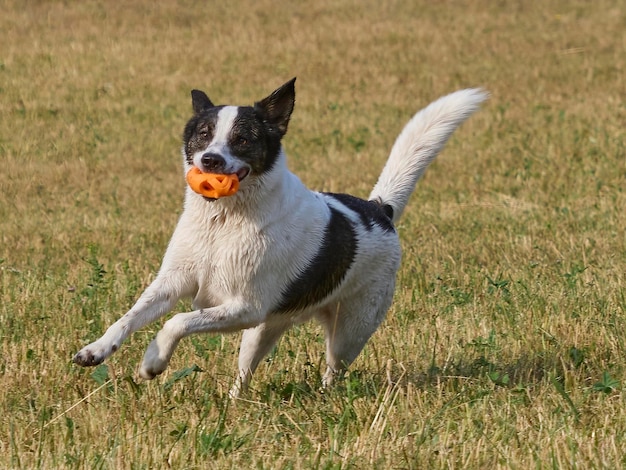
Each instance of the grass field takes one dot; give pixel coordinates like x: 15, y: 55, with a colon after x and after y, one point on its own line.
x: 505, y: 347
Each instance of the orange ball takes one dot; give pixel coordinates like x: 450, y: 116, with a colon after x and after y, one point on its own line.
x: 212, y: 185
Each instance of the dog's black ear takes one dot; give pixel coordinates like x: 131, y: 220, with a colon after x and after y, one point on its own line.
x: 200, y: 101
x: 278, y: 106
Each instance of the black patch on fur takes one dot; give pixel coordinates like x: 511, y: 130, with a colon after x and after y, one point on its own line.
x: 370, y: 212
x: 327, y: 269
x: 276, y: 109
x: 254, y: 141
x: 199, y: 132
x: 386, y: 208
x: 200, y: 101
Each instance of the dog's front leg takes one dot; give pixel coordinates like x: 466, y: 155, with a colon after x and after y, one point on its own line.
x: 158, y: 299
x: 224, y: 318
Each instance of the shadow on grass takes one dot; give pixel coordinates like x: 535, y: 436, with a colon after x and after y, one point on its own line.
x: 486, y: 373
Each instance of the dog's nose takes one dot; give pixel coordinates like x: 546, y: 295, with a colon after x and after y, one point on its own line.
x: 213, y: 162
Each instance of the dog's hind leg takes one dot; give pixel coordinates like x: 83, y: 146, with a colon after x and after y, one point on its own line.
x: 348, y: 327
x: 256, y: 343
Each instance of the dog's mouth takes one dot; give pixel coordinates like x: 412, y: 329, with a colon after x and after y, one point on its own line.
x: 242, y: 173
x: 215, y: 185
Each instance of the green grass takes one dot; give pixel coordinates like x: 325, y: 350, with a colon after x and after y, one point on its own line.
x: 505, y: 344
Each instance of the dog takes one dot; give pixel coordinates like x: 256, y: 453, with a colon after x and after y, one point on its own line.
x: 275, y: 253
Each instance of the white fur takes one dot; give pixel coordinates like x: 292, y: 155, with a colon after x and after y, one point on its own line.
x: 219, y: 143
x: 236, y: 256
x: 420, y: 142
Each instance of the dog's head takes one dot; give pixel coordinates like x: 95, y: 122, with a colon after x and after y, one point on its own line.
x: 244, y: 140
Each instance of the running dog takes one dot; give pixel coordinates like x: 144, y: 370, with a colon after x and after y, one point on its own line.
x: 275, y: 253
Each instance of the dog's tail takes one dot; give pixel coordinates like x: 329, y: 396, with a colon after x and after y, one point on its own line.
x: 418, y: 144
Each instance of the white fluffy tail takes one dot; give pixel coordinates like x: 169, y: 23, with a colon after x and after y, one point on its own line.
x: 419, y: 143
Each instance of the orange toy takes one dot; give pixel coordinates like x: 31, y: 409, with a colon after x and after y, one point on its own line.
x: 212, y: 185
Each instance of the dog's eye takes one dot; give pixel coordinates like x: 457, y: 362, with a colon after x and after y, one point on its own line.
x: 203, y: 131
x: 242, y: 141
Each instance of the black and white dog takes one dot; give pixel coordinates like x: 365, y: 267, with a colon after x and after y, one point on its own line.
x: 275, y: 253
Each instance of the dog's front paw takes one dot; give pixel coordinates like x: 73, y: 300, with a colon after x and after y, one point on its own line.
x: 93, y: 354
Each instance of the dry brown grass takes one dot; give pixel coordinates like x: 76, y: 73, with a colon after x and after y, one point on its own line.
x: 505, y: 346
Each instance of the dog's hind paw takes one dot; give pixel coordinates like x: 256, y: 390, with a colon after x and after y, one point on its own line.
x: 155, y: 361
x: 238, y: 388
x: 148, y: 373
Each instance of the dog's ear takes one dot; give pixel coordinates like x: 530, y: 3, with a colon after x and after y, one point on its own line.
x: 278, y: 106
x: 200, y: 101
